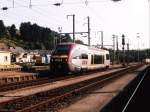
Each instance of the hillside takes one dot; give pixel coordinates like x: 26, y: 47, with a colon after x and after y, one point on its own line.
x: 5, y: 43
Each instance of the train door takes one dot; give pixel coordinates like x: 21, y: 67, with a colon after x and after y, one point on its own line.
x: 84, y: 61
x: 107, y: 60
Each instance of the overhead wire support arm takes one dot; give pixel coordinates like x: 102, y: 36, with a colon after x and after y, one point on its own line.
x: 75, y: 33
x: 89, y: 39
x: 58, y: 4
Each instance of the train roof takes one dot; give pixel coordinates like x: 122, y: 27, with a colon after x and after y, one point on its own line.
x: 89, y: 47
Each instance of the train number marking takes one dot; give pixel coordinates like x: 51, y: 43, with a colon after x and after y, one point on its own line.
x: 84, y: 62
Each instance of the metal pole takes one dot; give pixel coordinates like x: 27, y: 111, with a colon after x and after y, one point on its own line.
x: 149, y: 30
x: 73, y: 26
x: 102, y: 39
x: 13, y: 3
x: 117, y: 49
x: 89, y: 42
x: 60, y: 29
x: 128, y: 53
x: 30, y: 5
x: 113, y: 49
x: 102, y: 45
x: 138, y: 47
x: 123, y: 43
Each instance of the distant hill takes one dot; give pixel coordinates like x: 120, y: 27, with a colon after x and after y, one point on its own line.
x: 6, y: 43
x: 31, y: 36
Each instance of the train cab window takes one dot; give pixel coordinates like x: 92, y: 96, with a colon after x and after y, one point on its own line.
x: 62, y: 49
x: 84, y: 56
x: 77, y: 57
x: 107, y: 57
x: 79, y: 54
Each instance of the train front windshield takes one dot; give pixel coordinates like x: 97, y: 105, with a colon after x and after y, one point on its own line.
x: 62, y: 50
x: 59, y: 58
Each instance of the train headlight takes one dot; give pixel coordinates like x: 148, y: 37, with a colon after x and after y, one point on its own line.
x: 65, y: 59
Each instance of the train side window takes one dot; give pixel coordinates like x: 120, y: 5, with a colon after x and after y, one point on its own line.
x: 98, y: 59
x: 84, y: 56
x: 107, y: 56
x: 77, y: 57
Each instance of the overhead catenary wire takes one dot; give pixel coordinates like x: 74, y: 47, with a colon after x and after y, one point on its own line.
x: 40, y: 12
x: 39, y: 9
x: 32, y: 3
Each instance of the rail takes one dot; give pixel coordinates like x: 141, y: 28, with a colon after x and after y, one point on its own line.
x: 49, y: 99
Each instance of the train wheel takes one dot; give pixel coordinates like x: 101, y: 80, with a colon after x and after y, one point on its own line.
x: 107, y: 67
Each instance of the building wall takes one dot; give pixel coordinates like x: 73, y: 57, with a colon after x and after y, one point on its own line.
x: 5, y: 58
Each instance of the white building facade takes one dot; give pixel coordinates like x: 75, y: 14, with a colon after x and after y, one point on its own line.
x: 5, y: 58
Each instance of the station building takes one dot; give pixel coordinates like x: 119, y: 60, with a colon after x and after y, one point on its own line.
x: 5, y: 58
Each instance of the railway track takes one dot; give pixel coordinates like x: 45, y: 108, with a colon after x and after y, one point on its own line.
x: 39, y: 81
x: 19, y: 85
x: 121, y: 102
x: 53, y: 99
x: 138, y: 100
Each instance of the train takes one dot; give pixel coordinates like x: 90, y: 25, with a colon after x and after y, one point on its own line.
x: 72, y: 57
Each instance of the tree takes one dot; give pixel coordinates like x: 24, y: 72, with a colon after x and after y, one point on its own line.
x: 12, y: 30
x: 2, y: 29
x: 79, y: 42
x: 25, y: 30
x: 66, y: 38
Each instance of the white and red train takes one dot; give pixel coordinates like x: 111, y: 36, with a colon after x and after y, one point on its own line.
x: 71, y: 57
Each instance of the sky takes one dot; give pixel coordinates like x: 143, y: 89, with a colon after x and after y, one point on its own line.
x: 128, y: 17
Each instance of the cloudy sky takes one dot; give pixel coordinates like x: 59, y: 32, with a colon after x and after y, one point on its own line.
x: 127, y: 17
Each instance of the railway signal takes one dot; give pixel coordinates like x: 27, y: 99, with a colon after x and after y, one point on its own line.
x: 123, y: 43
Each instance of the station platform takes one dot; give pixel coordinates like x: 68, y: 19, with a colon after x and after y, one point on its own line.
x: 96, y: 100
x: 13, y: 77
x: 10, y: 68
x: 13, y: 74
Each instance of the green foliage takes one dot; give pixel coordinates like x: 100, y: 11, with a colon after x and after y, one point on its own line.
x: 79, y: 42
x: 40, y: 37
x: 131, y: 55
x: 2, y: 29
x: 33, y: 36
x: 12, y: 31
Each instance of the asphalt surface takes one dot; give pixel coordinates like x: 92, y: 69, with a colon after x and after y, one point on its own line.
x: 140, y: 101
